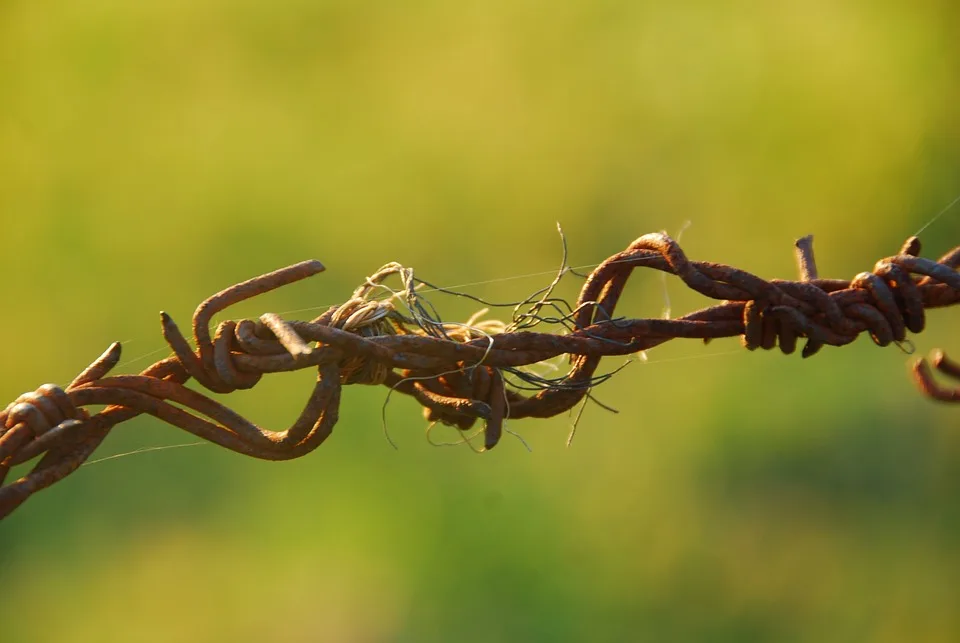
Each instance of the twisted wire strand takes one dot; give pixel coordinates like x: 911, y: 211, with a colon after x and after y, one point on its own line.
x: 457, y: 371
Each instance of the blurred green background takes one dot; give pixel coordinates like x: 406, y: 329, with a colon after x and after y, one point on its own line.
x: 152, y: 153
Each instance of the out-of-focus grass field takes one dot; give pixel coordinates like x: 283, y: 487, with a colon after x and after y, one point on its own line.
x: 152, y: 153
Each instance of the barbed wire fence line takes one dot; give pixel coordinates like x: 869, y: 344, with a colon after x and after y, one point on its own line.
x: 482, y: 369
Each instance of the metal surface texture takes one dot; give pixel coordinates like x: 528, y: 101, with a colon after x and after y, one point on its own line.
x: 461, y: 372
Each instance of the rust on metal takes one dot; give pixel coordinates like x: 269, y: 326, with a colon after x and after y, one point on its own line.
x: 925, y: 380
x: 460, y: 373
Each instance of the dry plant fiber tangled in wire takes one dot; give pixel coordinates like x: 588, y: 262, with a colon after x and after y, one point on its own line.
x: 460, y: 372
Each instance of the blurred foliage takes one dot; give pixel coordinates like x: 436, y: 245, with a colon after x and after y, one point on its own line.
x: 152, y: 153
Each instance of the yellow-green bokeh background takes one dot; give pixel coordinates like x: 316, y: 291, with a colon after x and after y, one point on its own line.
x: 152, y: 153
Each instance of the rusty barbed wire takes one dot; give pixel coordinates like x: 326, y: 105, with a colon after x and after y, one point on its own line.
x: 459, y: 372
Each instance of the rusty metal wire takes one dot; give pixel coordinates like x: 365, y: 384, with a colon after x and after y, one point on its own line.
x: 924, y: 377
x: 459, y: 373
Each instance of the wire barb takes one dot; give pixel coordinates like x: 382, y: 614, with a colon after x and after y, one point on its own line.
x: 460, y: 372
x: 923, y: 375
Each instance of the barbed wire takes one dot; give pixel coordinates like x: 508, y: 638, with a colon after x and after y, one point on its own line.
x: 460, y: 372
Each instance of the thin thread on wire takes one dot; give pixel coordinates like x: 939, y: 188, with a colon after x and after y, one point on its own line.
x: 141, y: 450
x: 455, y: 290
x: 937, y: 216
